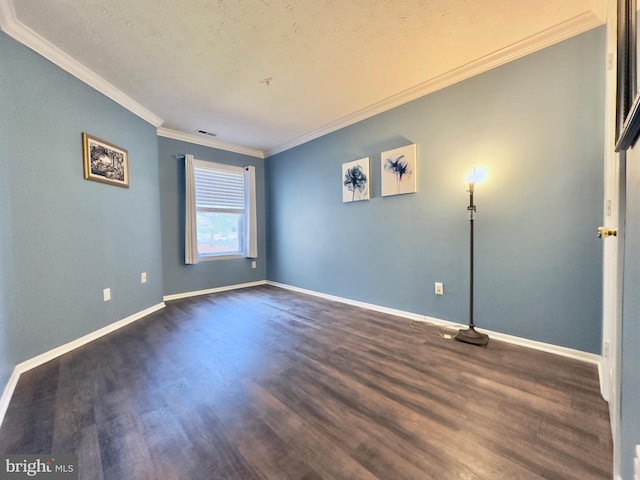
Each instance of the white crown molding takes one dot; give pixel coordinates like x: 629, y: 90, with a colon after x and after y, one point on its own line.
x: 579, y: 24
x: 23, y: 34
x: 524, y: 342
x: 7, y: 14
x: 190, y: 138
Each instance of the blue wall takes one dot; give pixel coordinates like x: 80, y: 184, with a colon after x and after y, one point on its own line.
x: 6, y: 361
x: 630, y: 373
x: 537, y: 125
x: 64, y: 238
x: 181, y: 278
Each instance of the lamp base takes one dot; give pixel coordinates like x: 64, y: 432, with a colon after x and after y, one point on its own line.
x: 470, y: 335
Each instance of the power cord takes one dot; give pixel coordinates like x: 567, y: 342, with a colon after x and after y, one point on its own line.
x: 447, y: 334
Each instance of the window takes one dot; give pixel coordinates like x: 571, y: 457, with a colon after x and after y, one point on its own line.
x: 220, y: 217
x: 220, y: 211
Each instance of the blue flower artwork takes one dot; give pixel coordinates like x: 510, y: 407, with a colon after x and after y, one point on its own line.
x: 398, y: 171
x: 355, y: 180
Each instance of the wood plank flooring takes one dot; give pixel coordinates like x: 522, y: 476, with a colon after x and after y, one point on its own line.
x: 263, y: 383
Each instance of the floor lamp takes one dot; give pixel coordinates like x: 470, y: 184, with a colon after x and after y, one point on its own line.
x: 470, y: 335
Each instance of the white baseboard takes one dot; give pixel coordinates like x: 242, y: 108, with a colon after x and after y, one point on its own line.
x: 56, y: 352
x: 545, y: 347
x: 603, y: 394
x: 62, y: 349
x: 348, y: 301
x: 8, y: 392
x: 177, y: 296
x: 67, y: 347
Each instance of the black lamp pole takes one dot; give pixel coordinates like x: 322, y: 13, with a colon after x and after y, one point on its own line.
x: 470, y: 335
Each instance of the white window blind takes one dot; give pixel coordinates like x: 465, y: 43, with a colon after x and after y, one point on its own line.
x: 220, y: 211
x: 219, y: 189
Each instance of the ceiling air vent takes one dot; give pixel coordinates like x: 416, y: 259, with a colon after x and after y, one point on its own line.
x: 206, y: 133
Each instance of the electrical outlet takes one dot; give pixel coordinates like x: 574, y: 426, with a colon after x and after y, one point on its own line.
x: 254, y: 264
x: 106, y: 294
x: 439, y: 288
x: 143, y: 277
x: 605, y: 349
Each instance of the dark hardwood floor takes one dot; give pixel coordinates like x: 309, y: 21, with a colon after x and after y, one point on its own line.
x: 263, y: 383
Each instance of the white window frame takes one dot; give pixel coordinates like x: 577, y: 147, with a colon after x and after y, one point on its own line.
x: 202, y: 168
x: 201, y: 199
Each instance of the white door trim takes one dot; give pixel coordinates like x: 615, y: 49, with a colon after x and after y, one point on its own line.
x: 612, y: 247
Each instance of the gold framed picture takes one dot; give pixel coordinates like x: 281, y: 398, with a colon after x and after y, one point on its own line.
x: 105, y: 162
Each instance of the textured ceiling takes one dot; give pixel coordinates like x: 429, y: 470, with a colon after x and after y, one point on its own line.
x: 262, y: 73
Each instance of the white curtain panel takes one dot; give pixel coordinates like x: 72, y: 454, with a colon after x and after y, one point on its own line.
x: 190, y: 232
x: 251, y: 236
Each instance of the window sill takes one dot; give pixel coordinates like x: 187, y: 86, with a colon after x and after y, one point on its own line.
x: 209, y: 258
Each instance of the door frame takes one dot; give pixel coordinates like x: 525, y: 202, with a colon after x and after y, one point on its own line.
x: 619, y: 102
